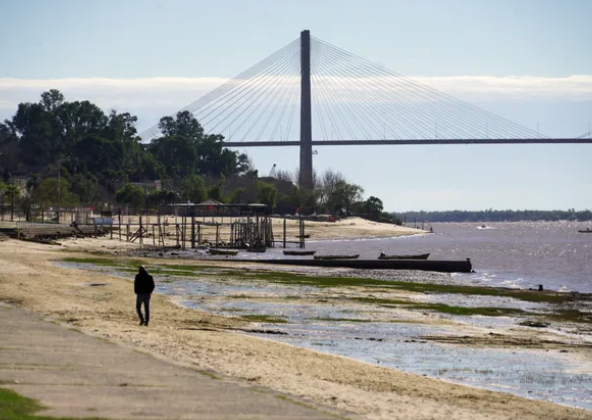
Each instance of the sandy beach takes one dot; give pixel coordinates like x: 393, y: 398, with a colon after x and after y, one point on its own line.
x: 348, y: 228
x: 30, y: 279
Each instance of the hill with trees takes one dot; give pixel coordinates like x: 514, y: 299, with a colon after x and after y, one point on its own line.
x: 73, y: 154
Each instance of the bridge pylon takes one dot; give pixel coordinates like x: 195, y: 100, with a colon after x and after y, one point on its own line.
x: 305, y: 180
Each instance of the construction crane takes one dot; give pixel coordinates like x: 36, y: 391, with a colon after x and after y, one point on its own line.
x: 272, y: 173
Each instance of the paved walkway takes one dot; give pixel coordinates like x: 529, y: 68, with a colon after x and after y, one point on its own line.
x: 81, y: 376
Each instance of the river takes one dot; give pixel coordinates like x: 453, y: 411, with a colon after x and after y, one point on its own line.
x: 519, y: 254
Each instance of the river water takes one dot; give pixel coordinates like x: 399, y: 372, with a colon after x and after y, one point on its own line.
x: 519, y: 254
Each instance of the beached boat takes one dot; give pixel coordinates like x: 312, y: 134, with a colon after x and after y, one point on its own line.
x: 303, y: 236
x: 336, y: 257
x: 298, y: 252
x: 262, y: 249
x: 218, y: 251
x: 585, y: 231
x: 384, y: 256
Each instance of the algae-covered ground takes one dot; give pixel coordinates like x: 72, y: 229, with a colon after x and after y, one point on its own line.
x: 560, y: 306
x: 475, y: 335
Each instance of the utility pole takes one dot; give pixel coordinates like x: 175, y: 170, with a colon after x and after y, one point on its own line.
x: 305, y: 114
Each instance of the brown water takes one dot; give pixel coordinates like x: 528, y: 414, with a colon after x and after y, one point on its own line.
x: 521, y: 254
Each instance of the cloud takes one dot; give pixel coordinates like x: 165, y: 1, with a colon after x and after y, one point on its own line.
x: 176, y: 92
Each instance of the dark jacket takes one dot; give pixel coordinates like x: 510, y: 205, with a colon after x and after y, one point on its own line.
x: 144, y: 283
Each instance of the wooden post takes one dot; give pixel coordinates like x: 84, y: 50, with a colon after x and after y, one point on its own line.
x: 141, y: 231
x: 193, y: 228
x: 177, y: 229
x: 183, y: 230
x: 217, y: 234
x: 285, y: 232
x: 153, y: 235
x: 127, y: 232
x: 301, y: 229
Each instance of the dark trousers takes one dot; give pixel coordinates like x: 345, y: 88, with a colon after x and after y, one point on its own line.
x: 145, y: 299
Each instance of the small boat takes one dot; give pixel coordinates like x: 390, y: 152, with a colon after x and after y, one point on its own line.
x: 261, y: 249
x: 336, y: 257
x: 298, y: 252
x: 384, y: 256
x: 303, y: 236
x: 585, y: 231
x: 218, y: 251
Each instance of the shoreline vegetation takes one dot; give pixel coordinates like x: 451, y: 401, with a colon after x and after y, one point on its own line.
x: 103, y: 305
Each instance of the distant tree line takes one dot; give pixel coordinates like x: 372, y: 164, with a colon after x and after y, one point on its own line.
x: 68, y: 154
x: 494, y: 215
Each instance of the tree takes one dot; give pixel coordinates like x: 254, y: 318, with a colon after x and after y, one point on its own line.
x: 54, y: 192
x: 177, y: 154
x: 267, y: 194
x: 373, y: 207
x: 2, y: 191
x: 184, y: 125
x: 193, y: 189
x: 283, y: 175
x: 158, y: 198
x: 11, y: 191
x: 343, y: 197
x: 238, y: 195
x: 86, y: 187
x: 131, y: 195
x: 51, y: 100
x: 33, y: 182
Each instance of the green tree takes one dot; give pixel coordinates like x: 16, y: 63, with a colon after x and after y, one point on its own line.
x: 343, y: 197
x: 86, y: 187
x: 183, y: 125
x: 267, y: 194
x: 158, y: 198
x: 238, y: 196
x: 373, y: 207
x: 54, y: 192
x: 193, y: 189
x: 132, y: 196
x: 177, y: 154
x: 11, y: 191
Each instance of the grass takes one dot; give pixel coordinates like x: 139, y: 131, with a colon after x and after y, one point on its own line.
x: 299, y: 279
x: 326, y: 282
x: 105, y: 262
x: 443, y: 308
x: 16, y: 407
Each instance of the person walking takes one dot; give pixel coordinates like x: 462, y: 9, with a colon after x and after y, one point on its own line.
x: 143, y: 287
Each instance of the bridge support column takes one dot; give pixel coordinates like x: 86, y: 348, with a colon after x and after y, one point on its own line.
x: 305, y: 114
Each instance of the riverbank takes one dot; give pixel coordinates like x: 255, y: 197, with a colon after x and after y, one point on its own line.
x: 29, y: 278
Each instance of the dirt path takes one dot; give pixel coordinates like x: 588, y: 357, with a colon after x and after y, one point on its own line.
x: 76, y: 375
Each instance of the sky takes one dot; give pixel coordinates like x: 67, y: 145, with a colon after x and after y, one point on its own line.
x: 527, y: 61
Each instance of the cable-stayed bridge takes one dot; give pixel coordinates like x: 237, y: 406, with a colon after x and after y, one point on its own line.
x: 311, y: 93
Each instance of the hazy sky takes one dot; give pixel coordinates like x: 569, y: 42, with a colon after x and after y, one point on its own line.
x: 528, y: 61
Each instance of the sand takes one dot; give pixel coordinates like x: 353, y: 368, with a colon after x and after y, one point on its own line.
x: 29, y: 279
x: 349, y: 228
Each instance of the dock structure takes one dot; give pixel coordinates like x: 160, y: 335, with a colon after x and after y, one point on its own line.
x: 212, y: 224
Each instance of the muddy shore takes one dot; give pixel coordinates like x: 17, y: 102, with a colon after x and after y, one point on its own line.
x: 30, y: 278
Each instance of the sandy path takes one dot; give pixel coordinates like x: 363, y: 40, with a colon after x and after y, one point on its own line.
x: 28, y: 278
